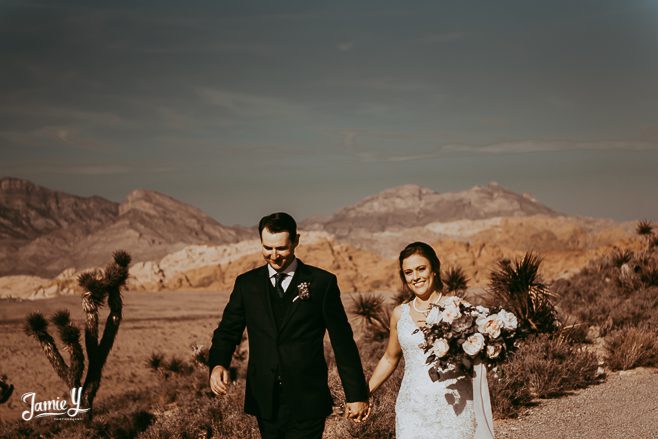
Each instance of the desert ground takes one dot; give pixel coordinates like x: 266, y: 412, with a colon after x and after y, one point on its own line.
x: 163, y: 322
x: 170, y: 322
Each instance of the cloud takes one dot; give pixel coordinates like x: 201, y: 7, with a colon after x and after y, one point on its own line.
x: 380, y: 84
x: 349, y: 137
x: 56, y: 136
x: 86, y: 169
x: 196, y: 48
x: 439, y: 38
x: 521, y: 147
x: 530, y: 146
x: 248, y: 105
x: 345, y: 46
x: 45, y: 111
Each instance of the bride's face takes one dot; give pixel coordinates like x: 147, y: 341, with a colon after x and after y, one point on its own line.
x: 419, y: 275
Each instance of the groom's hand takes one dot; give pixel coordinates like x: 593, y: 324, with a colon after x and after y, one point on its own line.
x: 219, y: 378
x: 357, y: 411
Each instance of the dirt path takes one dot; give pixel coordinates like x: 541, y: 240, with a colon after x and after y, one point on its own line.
x: 625, y: 406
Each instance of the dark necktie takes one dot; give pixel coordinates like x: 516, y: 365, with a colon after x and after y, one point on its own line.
x: 279, y: 284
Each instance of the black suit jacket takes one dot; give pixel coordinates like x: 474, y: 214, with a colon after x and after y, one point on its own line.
x: 295, y: 351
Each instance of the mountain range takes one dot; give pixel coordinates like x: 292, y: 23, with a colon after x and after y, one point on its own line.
x: 47, y: 237
x: 43, y: 232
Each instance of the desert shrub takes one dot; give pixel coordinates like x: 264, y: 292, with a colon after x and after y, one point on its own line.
x: 608, y: 307
x: 619, y: 257
x: 455, y: 281
x: 543, y: 366
x: 205, y: 417
x: 374, y: 313
x: 509, y: 390
x: 632, y: 347
x: 403, y: 295
x: 615, y: 291
x: 381, y: 423
x: 122, y: 426
x: 117, y: 416
x: 517, y: 287
x: 555, y: 366
x: 577, y: 333
x: 6, y: 389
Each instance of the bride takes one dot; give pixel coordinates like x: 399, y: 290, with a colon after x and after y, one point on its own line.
x: 455, y: 406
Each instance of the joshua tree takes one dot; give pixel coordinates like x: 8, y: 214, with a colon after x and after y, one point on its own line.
x: 455, y: 281
x: 98, y: 286
x: 517, y: 287
x: 6, y: 389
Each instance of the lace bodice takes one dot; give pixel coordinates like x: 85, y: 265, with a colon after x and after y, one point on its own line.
x: 426, y: 409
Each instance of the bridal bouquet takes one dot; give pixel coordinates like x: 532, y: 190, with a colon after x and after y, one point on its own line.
x: 458, y: 334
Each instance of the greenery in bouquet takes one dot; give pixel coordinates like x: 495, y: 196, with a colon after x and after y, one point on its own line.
x: 459, y: 335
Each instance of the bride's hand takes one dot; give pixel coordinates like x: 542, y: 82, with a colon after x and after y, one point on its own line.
x: 357, y: 411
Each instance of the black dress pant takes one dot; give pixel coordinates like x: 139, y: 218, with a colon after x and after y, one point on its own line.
x: 285, y: 425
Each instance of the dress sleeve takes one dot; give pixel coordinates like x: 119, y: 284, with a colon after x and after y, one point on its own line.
x: 484, y: 427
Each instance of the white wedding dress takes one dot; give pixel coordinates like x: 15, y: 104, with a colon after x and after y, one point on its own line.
x: 454, y: 407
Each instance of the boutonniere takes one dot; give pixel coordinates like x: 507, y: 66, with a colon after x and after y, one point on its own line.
x: 303, y: 291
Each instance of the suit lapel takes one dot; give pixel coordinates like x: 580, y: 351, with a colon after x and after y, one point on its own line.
x: 302, y: 274
x: 265, y: 296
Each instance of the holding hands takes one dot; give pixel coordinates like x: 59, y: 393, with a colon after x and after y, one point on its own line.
x: 358, y: 411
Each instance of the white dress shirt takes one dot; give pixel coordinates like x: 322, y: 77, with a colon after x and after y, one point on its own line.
x: 289, y: 271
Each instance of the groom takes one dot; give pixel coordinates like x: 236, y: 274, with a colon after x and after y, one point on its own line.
x: 287, y: 306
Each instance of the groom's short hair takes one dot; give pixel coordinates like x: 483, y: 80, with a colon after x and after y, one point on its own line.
x: 278, y: 222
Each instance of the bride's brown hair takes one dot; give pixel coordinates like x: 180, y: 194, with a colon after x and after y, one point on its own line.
x: 425, y: 250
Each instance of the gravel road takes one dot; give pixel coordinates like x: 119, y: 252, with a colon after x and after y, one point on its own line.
x: 625, y: 406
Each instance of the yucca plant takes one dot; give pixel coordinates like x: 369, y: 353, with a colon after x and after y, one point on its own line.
x: 6, y: 389
x: 620, y: 257
x: 455, y: 281
x: 644, y: 228
x: 375, y: 314
x: 200, y: 354
x: 517, y: 287
x: 99, y: 287
x: 166, y: 368
x: 403, y: 295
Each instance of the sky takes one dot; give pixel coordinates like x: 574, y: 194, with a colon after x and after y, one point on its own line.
x: 241, y: 108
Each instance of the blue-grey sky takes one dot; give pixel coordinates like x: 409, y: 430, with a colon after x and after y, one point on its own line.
x: 241, y: 108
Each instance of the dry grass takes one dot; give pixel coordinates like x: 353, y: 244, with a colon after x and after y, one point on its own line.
x: 614, y: 292
x: 544, y: 366
x: 632, y: 347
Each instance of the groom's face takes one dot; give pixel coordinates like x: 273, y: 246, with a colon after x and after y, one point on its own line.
x: 278, y: 248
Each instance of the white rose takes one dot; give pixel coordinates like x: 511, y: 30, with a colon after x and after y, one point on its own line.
x: 482, y: 310
x: 490, y: 326
x: 451, y: 301
x: 434, y: 316
x: 508, y: 320
x: 450, y: 313
x: 473, y: 344
x: 494, y: 350
x: 462, y: 323
x: 440, y: 348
